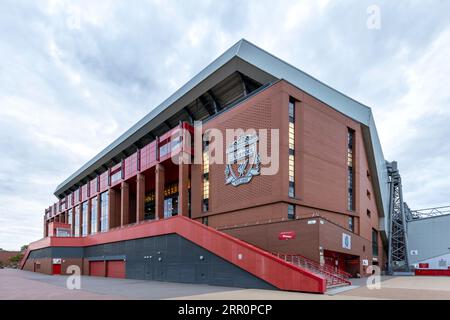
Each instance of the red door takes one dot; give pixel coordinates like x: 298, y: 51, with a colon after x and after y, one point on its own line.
x: 97, y: 268
x: 115, y: 269
x: 56, y: 269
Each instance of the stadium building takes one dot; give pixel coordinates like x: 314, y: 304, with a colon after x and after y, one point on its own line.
x: 322, y: 217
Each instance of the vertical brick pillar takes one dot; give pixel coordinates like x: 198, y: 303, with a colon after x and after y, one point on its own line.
x: 99, y: 212
x: 140, y: 197
x: 89, y: 231
x: 124, y: 204
x: 183, y: 194
x: 111, y: 208
x: 159, y: 191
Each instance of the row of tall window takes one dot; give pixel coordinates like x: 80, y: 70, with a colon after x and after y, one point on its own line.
x: 291, y: 148
x: 291, y: 161
x: 205, y: 194
x: 74, y: 215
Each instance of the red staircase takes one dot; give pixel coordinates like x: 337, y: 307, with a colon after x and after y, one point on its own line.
x: 334, y: 278
x: 262, y: 264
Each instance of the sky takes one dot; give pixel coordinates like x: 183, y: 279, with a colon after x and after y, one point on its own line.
x: 74, y: 75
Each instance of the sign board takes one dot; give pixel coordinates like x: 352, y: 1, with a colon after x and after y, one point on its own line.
x: 286, y: 235
x: 346, y: 241
x: 365, y: 262
x: 414, y: 252
x: 424, y: 265
x: 56, y: 260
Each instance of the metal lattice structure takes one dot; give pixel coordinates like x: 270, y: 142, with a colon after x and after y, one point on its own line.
x: 398, y: 244
x: 429, y: 212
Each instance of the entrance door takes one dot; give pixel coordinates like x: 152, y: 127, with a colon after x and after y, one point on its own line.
x: 115, y: 269
x: 56, y: 269
x: 97, y: 268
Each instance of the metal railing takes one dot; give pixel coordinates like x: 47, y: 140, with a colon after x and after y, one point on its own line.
x: 333, y: 277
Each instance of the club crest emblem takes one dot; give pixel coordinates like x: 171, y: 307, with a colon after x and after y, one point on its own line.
x: 243, y: 160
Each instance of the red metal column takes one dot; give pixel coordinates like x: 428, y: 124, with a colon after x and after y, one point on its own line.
x: 124, y: 204
x: 140, y: 197
x: 183, y: 195
x: 159, y: 191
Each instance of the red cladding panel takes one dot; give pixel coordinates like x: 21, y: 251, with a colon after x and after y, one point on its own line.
x: 148, y: 156
x: 104, y: 181
x: 84, y: 192
x: 93, y: 187
x: 131, y: 166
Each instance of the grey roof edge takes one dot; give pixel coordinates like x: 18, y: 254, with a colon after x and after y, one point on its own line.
x: 282, y: 70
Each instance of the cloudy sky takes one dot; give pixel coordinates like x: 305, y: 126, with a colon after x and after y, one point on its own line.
x: 76, y: 74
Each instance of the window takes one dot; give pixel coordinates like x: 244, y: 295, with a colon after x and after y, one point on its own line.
x: 69, y: 217
x: 171, y: 200
x: 205, y: 221
x: 84, y: 222
x: 291, y: 140
x: 104, y: 212
x: 116, y: 176
x: 205, y: 174
x: 351, y: 224
x: 374, y: 243
x: 149, y: 206
x: 77, y: 222
x: 291, y: 212
x: 350, y: 169
x: 369, y: 214
x: 93, y: 215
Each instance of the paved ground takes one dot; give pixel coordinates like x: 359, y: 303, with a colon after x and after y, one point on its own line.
x: 15, y: 284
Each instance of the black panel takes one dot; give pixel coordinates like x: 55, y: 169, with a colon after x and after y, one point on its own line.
x: 165, y: 258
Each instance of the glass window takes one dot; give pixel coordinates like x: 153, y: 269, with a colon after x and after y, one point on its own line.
x: 84, y: 221
x: 69, y: 220
x: 205, y: 221
x: 93, y: 215
x: 149, y: 206
x: 351, y: 224
x: 116, y: 176
x: 205, y: 178
x: 77, y: 222
x: 104, y: 212
x: 291, y: 211
x: 374, y: 243
x: 291, y: 141
x: 350, y: 171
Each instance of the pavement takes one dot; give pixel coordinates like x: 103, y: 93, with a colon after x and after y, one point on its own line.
x: 19, y: 284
